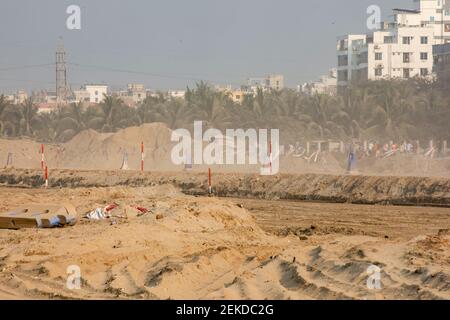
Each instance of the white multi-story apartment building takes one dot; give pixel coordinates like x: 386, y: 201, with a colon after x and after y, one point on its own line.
x: 435, y: 13
x: 399, y: 49
x: 352, y: 59
x: 403, y: 52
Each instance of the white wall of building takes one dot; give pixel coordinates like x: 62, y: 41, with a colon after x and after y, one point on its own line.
x: 96, y: 92
x: 399, y: 60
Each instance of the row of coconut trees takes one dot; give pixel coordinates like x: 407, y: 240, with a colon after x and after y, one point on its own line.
x: 381, y: 110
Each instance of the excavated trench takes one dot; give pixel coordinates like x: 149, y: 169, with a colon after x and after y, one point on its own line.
x: 388, y: 190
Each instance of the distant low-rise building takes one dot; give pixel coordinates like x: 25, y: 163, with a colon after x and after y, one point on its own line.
x: 327, y: 84
x: 178, y: 94
x: 82, y: 96
x: 9, y: 98
x: 92, y: 93
x: 18, y: 97
x: 237, y: 96
x: 44, y: 107
x: 271, y: 82
x: 134, y: 95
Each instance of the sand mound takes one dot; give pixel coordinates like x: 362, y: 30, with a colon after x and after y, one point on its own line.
x: 199, y: 248
x: 91, y: 150
x: 179, y: 249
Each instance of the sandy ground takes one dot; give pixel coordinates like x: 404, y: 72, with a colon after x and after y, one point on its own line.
x: 198, y: 248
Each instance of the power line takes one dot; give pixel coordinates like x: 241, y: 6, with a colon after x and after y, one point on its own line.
x: 28, y: 80
x: 156, y: 75
x: 27, y: 66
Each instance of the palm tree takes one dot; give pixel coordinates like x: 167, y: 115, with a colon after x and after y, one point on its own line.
x: 175, y: 114
x: 30, y: 118
x: 70, y: 121
x: 10, y: 118
x: 109, y: 107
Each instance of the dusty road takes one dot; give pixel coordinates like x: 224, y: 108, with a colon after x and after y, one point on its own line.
x: 399, y: 222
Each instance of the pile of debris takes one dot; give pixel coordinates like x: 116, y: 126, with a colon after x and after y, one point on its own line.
x: 51, y: 216
x: 115, y: 211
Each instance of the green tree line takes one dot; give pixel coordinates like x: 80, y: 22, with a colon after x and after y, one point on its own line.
x: 378, y: 110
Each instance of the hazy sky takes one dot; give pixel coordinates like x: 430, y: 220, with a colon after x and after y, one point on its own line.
x: 178, y: 42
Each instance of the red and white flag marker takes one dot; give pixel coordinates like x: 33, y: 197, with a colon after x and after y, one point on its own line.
x: 46, y: 176
x: 142, y: 156
x: 42, y: 156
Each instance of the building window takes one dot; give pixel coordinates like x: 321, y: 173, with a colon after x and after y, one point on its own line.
x: 378, y: 56
x: 342, y: 61
x: 406, y: 57
x: 424, y: 40
x: 432, y: 19
x: 342, y: 75
x: 378, y: 72
x: 406, y: 73
x: 424, y: 56
x: 423, y: 72
x: 343, y: 44
x: 406, y: 40
x: 388, y: 39
x: 447, y: 12
x: 96, y: 93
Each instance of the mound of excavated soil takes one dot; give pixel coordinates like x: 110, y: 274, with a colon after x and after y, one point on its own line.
x: 199, y: 248
x: 92, y: 150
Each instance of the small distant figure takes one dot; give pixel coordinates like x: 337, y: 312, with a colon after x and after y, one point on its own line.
x: 9, y: 160
x: 351, y: 160
x: 124, y: 165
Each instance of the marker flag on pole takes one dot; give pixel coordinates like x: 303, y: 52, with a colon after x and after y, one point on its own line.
x: 142, y: 156
x: 42, y: 156
x: 46, y: 176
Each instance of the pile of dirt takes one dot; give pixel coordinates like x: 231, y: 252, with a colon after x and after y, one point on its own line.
x: 92, y: 150
x: 204, y: 248
x: 183, y: 247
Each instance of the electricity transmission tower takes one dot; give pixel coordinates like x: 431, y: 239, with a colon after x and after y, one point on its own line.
x: 61, y: 74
